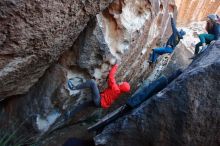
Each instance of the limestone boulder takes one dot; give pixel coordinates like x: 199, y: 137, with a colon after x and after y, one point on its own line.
x: 34, y: 34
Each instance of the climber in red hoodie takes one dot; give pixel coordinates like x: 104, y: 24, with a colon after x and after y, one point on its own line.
x: 109, y: 95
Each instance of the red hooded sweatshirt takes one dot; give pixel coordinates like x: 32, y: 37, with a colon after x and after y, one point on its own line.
x: 110, y: 94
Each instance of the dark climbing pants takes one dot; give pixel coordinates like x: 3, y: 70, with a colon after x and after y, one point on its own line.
x: 204, y: 38
x: 159, y: 51
x: 94, y: 89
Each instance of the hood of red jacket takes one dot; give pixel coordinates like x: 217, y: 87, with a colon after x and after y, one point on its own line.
x: 124, y: 87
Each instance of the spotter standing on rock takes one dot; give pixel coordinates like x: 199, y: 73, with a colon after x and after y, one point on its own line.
x: 170, y: 45
x: 106, y: 98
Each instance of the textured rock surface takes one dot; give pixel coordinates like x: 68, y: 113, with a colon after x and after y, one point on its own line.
x: 111, y: 34
x: 34, y: 34
x: 131, y: 29
x: 53, y: 41
x: 49, y: 97
x: 185, y: 113
x: 42, y: 102
x: 196, y: 10
x: 179, y: 60
x: 90, y: 53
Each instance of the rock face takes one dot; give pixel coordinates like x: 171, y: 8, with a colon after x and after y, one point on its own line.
x: 34, y: 34
x: 196, y: 10
x: 55, y: 40
x: 134, y: 28
x: 185, y: 113
x: 44, y: 43
x: 179, y: 60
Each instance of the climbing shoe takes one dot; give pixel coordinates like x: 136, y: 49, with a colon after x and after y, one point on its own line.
x: 150, y: 63
x: 150, y: 58
x: 203, y: 49
x: 70, y: 84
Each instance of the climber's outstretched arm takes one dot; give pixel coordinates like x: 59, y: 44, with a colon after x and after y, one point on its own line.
x: 111, y: 76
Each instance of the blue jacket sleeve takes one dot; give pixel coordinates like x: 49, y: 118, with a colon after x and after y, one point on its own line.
x: 175, y: 31
x: 111, y: 77
x: 173, y: 25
